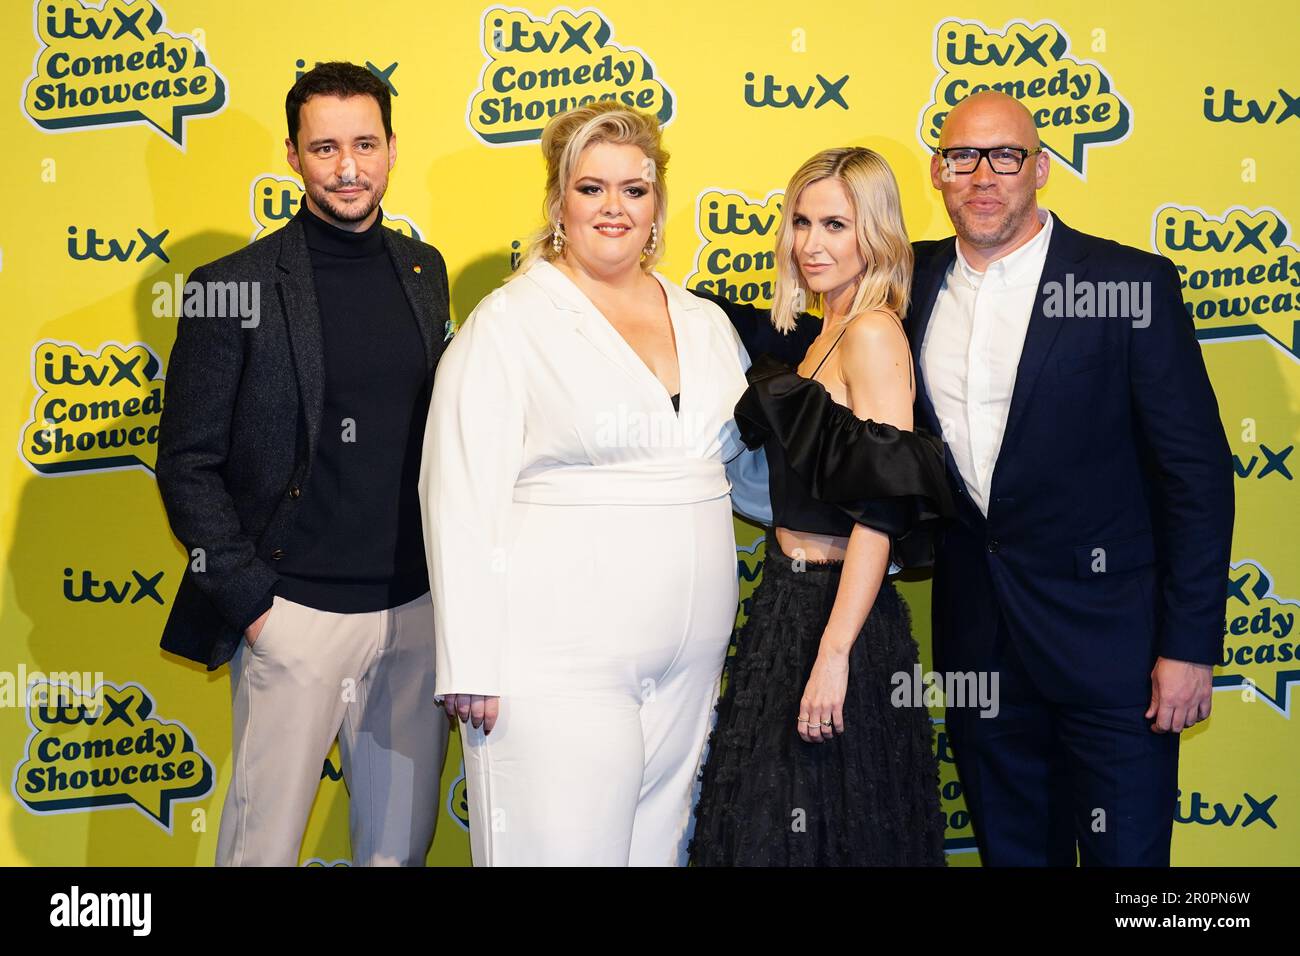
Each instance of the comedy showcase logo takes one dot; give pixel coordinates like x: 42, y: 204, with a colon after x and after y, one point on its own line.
x: 1259, y: 640
x: 1240, y: 271
x: 539, y: 67
x: 1072, y: 100
x: 91, y: 749
x: 959, y: 833
x: 93, y: 411
x: 737, y: 235
x: 117, y: 66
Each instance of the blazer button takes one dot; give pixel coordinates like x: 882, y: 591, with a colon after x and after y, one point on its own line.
x: 277, y: 554
x: 993, y: 546
x: 295, y: 492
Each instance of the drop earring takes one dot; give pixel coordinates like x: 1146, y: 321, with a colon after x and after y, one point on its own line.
x: 654, y: 240
x: 557, y: 238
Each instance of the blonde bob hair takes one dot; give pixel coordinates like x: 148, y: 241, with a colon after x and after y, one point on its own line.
x: 563, y: 141
x: 878, y: 222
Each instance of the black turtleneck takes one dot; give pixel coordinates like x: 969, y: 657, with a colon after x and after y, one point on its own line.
x: 357, y: 543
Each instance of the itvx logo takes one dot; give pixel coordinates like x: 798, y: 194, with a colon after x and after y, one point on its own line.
x: 1259, y: 642
x: 86, y: 587
x: 735, y: 257
x: 749, y: 566
x: 92, y: 246
x: 1240, y: 270
x: 116, y: 66
x: 108, y: 751
x: 537, y: 68
x: 1071, y: 100
x: 769, y: 92
x: 94, y: 411
x: 1226, y: 106
x: 385, y: 75
x: 1195, y: 808
x: 1266, y: 463
x: 274, y: 200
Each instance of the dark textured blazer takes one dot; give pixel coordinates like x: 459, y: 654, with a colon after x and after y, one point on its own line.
x: 1109, y: 526
x: 240, y: 422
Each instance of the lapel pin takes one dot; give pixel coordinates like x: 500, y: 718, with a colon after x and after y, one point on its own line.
x: 417, y: 268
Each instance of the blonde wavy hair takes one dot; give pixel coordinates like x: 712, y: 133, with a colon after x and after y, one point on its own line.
x: 878, y: 221
x: 563, y: 142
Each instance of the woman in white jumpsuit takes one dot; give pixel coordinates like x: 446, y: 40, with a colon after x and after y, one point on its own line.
x: 579, y: 526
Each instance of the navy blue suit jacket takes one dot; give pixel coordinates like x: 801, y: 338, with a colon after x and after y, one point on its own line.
x: 1109, y: 524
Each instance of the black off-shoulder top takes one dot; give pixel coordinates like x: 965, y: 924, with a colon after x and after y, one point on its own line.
x: 829, y: 469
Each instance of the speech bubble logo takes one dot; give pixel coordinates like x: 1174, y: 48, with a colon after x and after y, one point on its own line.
x: 90, y: 749
x: 1260, y: 639
x: 116, y: 66
x: 1240, y: 271
x: 1071, y: 100
x: 959, y: 833
x: 537, y: 68
x: 737, y: 236
x: 94, y: 411
x: 458, y: 799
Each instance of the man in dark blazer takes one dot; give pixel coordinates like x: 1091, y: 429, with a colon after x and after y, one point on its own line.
x: 288, y: 462
x: 1088, y: 566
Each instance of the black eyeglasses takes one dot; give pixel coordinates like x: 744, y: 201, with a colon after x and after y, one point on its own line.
x: 1003, y: 160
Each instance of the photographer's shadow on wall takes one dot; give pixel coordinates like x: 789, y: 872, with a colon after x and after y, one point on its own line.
x: 103, y: 538
x: 93, y: 566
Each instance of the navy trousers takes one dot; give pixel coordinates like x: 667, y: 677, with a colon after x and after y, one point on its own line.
x: 1042, y: 780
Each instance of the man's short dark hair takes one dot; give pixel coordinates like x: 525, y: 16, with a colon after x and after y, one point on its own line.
x: 337, y: 79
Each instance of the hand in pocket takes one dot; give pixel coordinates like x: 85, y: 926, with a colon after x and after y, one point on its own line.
x: 253, y: 630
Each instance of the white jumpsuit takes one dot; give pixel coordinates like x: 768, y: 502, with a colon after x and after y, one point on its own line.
x: 583, y: 568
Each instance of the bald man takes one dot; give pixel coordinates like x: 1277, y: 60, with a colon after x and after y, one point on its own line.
x: 1088, y: 567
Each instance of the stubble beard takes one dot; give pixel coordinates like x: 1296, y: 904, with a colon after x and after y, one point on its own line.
x: 355, y: 212
x: 988, y: 236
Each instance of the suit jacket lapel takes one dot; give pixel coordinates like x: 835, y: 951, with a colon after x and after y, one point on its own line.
x: 302, y: 317
x: 406, y: 264
x: 1064, y: 256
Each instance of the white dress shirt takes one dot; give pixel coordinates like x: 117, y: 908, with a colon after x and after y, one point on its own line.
x: 971, y: 352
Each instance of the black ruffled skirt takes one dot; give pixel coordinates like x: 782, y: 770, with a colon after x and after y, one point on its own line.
x: 869, y: 797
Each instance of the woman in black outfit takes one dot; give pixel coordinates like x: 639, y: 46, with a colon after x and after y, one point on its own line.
x: 810, y: 763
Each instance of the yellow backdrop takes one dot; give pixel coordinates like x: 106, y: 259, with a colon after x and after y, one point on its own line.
x: 148, y: 138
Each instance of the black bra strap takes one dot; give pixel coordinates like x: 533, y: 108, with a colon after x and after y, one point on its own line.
x: 841, y: 335
x: 828, y: 354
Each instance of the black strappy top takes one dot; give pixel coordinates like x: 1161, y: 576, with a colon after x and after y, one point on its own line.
x: 829, y: 469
